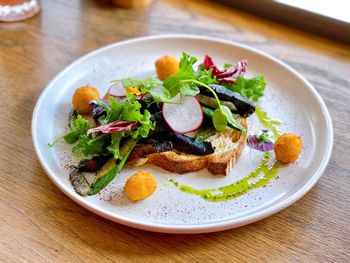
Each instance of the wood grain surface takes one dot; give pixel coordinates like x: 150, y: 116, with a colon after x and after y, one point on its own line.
x: 38, y: 223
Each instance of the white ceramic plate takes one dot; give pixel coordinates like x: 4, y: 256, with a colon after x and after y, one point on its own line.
x: 289, y: 98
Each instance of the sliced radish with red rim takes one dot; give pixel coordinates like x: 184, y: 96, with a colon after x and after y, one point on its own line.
x: 116, y: 89
x: 184, y: 115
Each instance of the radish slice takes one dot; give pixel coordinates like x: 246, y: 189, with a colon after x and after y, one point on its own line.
x: 116, y: 90
x: 184, y: 117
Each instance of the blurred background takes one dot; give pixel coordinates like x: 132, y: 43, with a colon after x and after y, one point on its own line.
x: 324, y: 17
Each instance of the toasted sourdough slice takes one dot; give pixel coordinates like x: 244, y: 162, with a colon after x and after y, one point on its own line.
x: 228, y: 145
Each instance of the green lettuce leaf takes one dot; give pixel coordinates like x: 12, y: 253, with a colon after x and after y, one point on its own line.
x: 114, y: 148
x: 130, y: 111
x: 78, y: 128
x: 89, y: 146
x: 250, y: 88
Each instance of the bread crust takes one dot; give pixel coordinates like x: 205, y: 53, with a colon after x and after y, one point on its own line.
x: 218, y: 163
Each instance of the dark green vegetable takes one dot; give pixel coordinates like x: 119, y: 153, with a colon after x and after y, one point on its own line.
x: 208, y: 111
x: 243, y: 106
x: 232, y: 122
x: 109, y: 171
x: 204, y: 134
x: 211, y: 102
x: 105, y: 169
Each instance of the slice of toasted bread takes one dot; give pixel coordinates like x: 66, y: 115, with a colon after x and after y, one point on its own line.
x: 228, y: 144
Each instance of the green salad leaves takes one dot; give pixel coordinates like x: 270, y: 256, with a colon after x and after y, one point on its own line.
x: 119, y: 124
x: 252, y: 88
x: 129, y: 110
x: 89, y: 144
x: 85, y: 144
x: 186, y: 82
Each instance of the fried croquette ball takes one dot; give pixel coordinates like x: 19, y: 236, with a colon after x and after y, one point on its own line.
x: 140, y: 186
x: 166, y: 66
x: 81, y: 98
x: 287, y: 148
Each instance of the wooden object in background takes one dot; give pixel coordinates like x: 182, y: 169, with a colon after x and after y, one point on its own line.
x: 133, y: 3
x: 38, y: 223
x: 316, y: 23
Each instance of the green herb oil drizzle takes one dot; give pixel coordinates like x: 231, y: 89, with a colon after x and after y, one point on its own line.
x: 238, y: 188
x: 268, y: 123
x: 259, y: 177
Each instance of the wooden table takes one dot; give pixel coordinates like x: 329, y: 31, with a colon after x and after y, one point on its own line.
x: 41, y: 224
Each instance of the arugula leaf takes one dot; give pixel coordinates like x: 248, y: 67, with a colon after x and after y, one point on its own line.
x: 101, y: 182
x: 88, y: 145
x: 77, y: 128
x: 250, y: 88
x: 152, y: 85
x: 206, y: 77
x: 140, y: 83
x: 133, y: 82
x: 71, y: 137
x: 159, y: 93
x: 85, y: 144
x: 174, y: 84
x: 186, y: 66
x: 91, y: 146
x: 187, y: 89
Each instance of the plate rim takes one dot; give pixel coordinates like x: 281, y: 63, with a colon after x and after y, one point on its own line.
x: 192, y: 228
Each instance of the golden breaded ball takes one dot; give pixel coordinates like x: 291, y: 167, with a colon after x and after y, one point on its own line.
x: 140, y: 186
x: 166, y: 66
x: 81, y: 98
x: 287, y: 148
